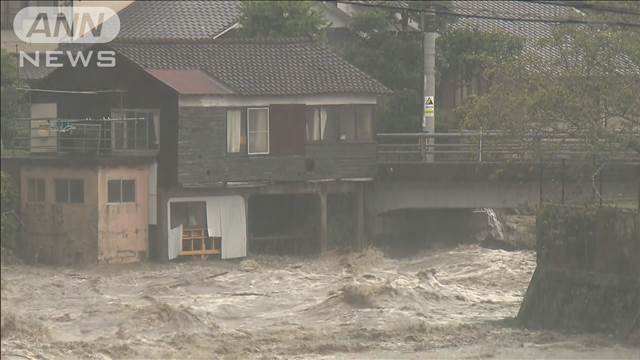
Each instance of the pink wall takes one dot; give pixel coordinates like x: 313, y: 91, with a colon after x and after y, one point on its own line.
x: 91, y: 232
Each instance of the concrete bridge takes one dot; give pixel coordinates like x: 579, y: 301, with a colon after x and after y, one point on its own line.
x: 499, y: 170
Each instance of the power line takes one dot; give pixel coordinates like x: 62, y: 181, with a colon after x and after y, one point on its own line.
x: 490, y: 17
x: 582, y: 5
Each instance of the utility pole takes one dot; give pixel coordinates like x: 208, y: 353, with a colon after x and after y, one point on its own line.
x: 429, y: 88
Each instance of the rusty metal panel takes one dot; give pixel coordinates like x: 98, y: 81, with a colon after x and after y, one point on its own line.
x: 190, y: 82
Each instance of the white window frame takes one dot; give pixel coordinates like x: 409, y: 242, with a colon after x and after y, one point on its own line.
x: 249, y: 131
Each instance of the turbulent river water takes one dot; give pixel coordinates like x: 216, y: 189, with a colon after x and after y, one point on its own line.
x: 448, y: 303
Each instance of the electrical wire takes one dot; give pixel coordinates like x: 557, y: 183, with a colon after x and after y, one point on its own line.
x: 489, y: 17
x: 585, y: 6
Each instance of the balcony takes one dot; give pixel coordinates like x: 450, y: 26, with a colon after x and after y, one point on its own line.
x: 123, y: 136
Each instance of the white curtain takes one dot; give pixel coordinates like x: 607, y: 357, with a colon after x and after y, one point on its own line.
x: 175, y: 242
x: 364, y: 123
x: 214, y: 217
x: 234, y: 127
x: 323, y: 123
x: 156, y: 128
x: 258, y: 130
x: 226, y: 217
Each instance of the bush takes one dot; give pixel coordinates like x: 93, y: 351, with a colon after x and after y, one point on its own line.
x: 9, y: 225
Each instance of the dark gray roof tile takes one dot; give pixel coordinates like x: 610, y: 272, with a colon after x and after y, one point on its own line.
x: 258, y: 67
x: 177, y: 20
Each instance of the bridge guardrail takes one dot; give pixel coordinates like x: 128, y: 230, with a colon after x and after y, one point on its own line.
x: 493, y: 146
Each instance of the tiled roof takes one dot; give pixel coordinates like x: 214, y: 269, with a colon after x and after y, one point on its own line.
x: 258, y: 67
x: 177, y: 20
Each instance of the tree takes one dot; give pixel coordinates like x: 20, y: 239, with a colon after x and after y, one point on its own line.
x: 282, y: 19
x: 587, y: 83
x: 9, y: 224
x: 391, y: 56
x: 390, y: 50
x: 10, y: 110
x: 465, y: 55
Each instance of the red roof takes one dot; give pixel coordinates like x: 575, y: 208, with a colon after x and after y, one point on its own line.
x: 190, y: 82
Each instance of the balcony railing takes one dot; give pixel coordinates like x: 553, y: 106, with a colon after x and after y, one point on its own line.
x: 87, y: 136
x: 494, y: 146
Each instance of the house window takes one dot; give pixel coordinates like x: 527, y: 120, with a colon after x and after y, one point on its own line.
x: 69, y: 191
x: 234, y: 131
x: 258, y: 130
x: 347, y: 123
x: 316, y: 124
x: 35, y: 190
x: 134, y: 129
x: 364, y: 123
x: 344, y: 122
x: 121, y: 191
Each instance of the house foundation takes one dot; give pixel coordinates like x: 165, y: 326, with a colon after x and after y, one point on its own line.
x: 286, y: 219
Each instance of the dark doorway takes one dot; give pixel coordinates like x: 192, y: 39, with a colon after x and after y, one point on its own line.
x: 283, y: 224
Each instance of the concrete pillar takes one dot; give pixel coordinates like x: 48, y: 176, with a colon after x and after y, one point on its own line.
x: 360, y: 210
x: 160, y: 246
x: 323, y: 233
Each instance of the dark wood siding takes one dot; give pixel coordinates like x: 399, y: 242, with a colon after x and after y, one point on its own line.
x: 204, y: 162
x: 142, y: 92
x: 287, y: 129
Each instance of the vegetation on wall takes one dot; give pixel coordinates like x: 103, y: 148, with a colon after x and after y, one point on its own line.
x: 10, y: 109
x: 9, y: 224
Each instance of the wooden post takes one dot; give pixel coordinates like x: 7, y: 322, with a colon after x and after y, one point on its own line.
x: 323, y: 230
x: 480, y: 146
x: 600, y: 187
x: 563, y: 179
x: 540, y: 183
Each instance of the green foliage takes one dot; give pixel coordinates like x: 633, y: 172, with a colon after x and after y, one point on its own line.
x: 282, y: 19
x: 464, y: 54
x: 9, y: 225
x: 592, y: 78
x: 10, y: 109
x: 470, y: 52
x: 392, y: 57
x: 395, y: 58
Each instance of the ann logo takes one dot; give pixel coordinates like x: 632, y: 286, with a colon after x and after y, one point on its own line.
x: 85, y: 24
x: 66, y: 24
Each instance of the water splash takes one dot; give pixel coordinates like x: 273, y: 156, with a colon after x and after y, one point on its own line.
x: 497, y: 229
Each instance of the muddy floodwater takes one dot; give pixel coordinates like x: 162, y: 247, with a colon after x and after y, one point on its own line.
x: 450, y: 303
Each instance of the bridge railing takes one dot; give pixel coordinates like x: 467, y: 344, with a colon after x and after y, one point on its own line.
x: 492, y: 146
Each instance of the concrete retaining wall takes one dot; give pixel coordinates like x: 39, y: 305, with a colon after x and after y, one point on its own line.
x: 588, y: 273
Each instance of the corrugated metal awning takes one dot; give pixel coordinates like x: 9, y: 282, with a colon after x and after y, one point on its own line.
x: 190, y: 82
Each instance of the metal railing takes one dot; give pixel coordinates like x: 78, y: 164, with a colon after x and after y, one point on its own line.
x: 86, y: 136
x: 493, y: 147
